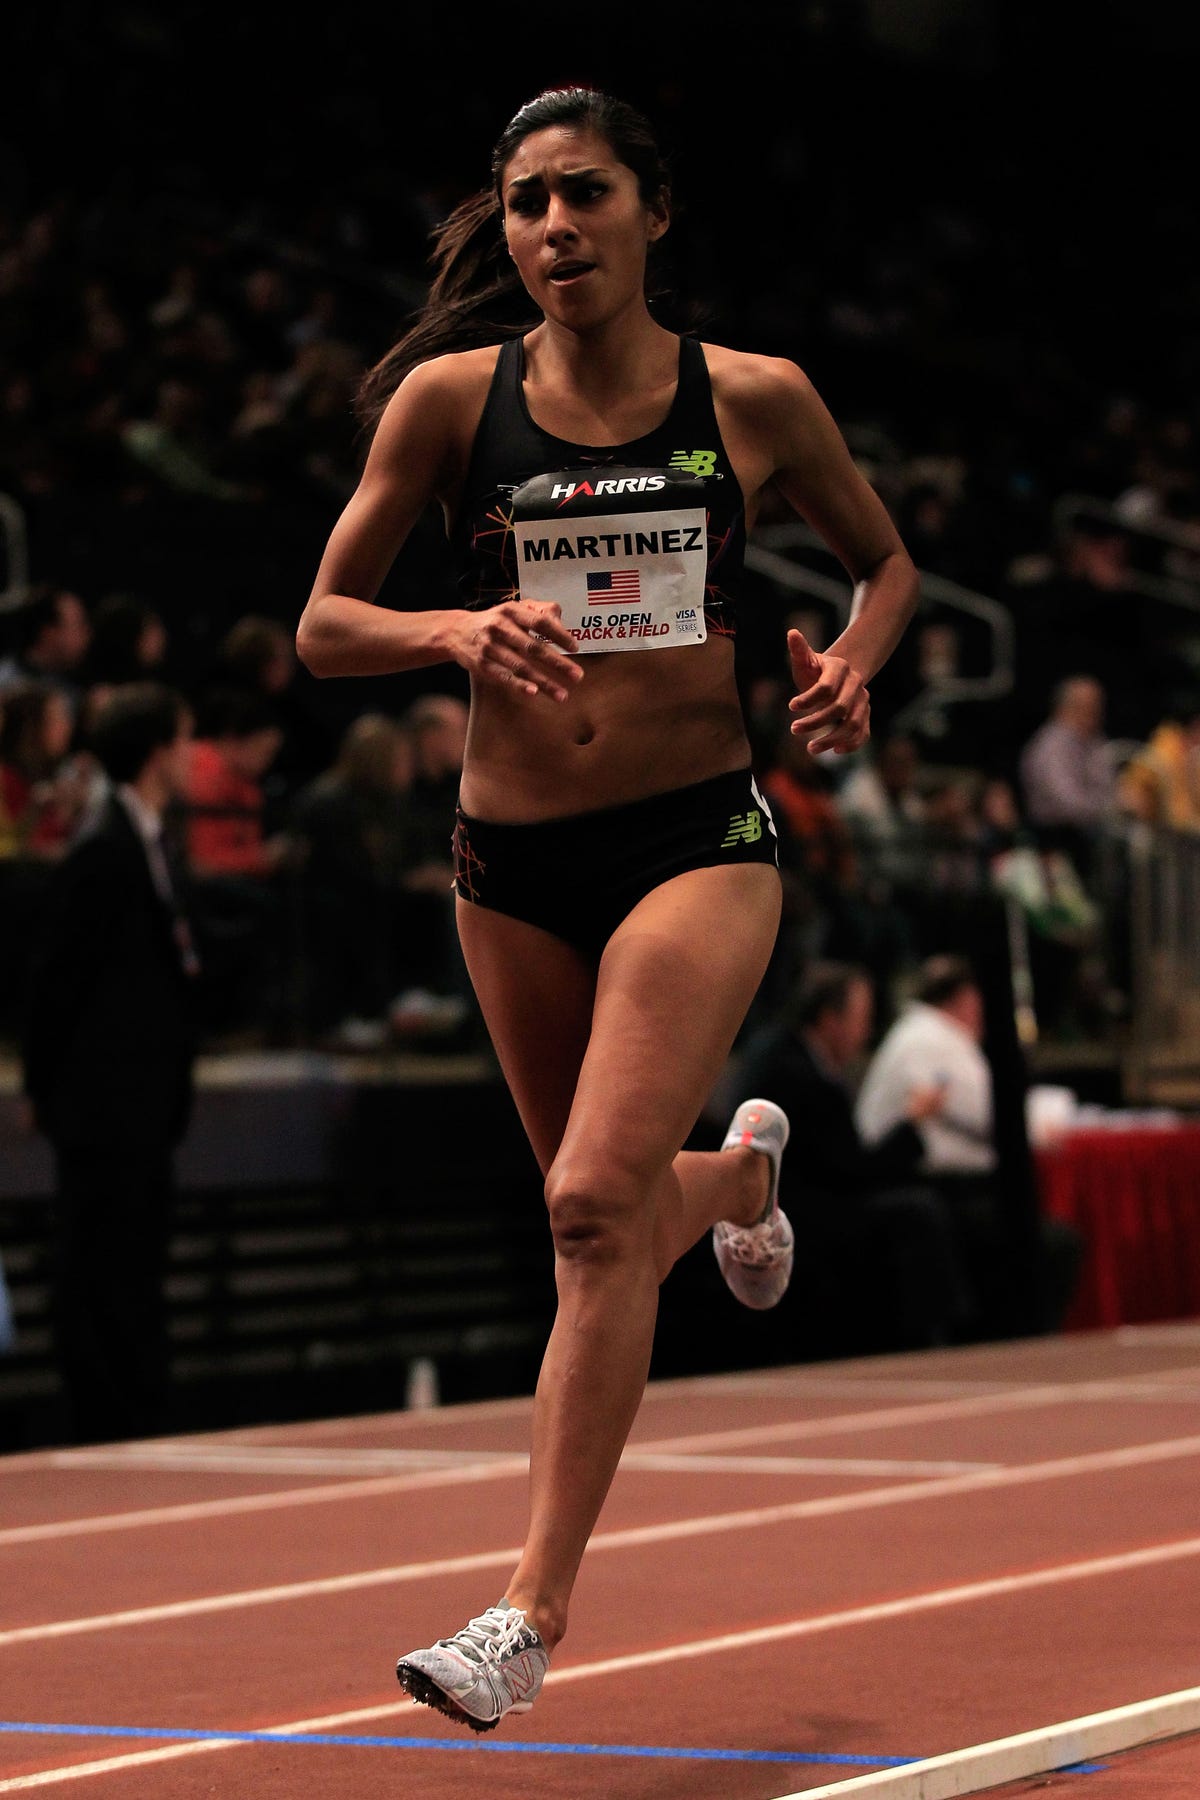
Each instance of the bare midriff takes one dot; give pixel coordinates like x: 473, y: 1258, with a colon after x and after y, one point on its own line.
x: 640, y: 722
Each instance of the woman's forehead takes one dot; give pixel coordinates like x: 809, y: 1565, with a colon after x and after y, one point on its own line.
x: 557, y: 150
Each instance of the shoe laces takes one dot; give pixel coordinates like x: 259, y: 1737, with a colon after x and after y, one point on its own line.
x: 754, y: 1246
x: 492, y: 1636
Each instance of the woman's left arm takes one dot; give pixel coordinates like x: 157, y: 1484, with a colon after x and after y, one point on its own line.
x: 818, y: 476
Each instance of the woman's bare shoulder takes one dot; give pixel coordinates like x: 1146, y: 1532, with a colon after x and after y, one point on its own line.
x: 436, y: 408
x: 457, y: 377
x: 749, y: 378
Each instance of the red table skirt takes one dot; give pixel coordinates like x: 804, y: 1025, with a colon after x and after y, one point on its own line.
x: 1136, y: 1196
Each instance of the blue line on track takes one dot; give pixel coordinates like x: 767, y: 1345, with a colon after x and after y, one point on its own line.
x: 184, y: 1735
x: 426, y: 1743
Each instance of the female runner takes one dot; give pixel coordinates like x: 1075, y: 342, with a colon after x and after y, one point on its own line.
x: 618, y: 894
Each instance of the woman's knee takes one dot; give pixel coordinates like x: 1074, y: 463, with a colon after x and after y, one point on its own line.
x: 599, y: 1212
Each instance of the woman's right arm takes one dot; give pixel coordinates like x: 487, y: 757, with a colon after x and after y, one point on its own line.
x: 416, y: 457
x: 341, y: 630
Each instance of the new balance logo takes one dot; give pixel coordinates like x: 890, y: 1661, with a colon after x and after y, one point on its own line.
x: 744, y: 828
x: 522, y: 1676
x: 696, y: 462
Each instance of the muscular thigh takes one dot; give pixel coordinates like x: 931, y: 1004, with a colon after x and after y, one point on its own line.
x: 675, y: 982
x: 536, y: 995
x: 617, y: 1063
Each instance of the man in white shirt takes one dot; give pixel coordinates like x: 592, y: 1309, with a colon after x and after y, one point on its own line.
x: 938, y: 1041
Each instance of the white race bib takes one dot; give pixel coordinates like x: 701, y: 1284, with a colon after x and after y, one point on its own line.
x: 628, y: 580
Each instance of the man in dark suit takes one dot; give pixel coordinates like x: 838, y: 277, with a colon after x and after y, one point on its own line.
x: 108, y: 1050
x: 879, y: 1245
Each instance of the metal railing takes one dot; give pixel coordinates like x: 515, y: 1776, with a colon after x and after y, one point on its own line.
x: 1164, y: 1051
x: 1172, y: 589
x: 767, y: 555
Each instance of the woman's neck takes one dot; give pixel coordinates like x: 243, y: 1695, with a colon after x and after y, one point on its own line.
x: 625, y: 352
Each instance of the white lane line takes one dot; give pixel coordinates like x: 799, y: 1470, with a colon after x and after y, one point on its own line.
x: 1134, y: 1336
x: 341, y: 1463
x: 798, y: 1465
x: 797, y: 1383
x: 369, y: 1488
x: 266, y: 1596
x: 121, y: 1457
x: 272, y: 1460
x: 137, y: 1759
x: 631, y: 1537
x: 210, y: 1457
x: 1165, y: 1392
x: 892, y: 1417
x: 965, y: 1398
x: 994, y: 1765
x: 929, y: 1600
x: 139, y: 1456
x: 195, y: 1747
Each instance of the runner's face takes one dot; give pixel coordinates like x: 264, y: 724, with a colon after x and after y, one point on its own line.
x: 577, y: 227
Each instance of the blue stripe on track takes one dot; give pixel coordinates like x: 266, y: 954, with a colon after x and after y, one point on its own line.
x: 183, y: 1735
x: 426, y: 1743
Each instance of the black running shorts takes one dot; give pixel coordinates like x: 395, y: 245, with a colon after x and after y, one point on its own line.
x: 579, y: 876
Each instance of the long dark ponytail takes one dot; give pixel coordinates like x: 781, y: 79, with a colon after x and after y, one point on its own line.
x: 476, y: 296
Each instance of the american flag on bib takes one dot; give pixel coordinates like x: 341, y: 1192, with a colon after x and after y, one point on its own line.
x: 618, y: 584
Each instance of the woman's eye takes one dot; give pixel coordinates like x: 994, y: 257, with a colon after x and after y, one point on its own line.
x: 529, y: 203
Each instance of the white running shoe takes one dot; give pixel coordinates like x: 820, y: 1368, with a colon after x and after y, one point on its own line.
x: 494, y: 1665
x: 756, y: 1260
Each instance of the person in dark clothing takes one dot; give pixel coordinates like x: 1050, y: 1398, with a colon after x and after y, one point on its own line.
x: 878, y: 1241
x: 50, y: 633
x: 258, y: 656
x: 353, y: 825
x: 108, y: 1046
x: 435, y: 982
x: 129, y: 641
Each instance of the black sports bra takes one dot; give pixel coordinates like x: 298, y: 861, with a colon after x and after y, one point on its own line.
x: 593, y: 513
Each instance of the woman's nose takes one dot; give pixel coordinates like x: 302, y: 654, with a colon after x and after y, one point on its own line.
x: 559, y: 221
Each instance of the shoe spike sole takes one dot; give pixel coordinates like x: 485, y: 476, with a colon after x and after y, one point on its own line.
x: 428, y: 1693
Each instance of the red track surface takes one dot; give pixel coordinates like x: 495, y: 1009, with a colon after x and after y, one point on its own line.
x: 931, y: 1551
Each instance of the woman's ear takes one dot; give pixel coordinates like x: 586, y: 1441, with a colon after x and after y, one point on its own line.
x: 658, y: 219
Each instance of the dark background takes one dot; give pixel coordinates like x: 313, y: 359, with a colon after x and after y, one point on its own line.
x: 971, y: 223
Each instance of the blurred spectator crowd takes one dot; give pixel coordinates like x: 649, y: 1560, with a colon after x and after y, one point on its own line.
x: 317, y: 868
x: 178, y: 356
x: 317, y: 855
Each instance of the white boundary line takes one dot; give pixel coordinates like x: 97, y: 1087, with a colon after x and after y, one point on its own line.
x: 1181, y: 1332
x: 632, y: 1537
x: 937, y: 1399
x: 798, y: 1465
x: 781, y: 1383
x: 488, y: 1469
x: 275, y: 1460
x: 993, y: 1765
x: 931, y: 1600
x: 890, y: 1418
x: 371, y: 1487
x: 416, y: 1462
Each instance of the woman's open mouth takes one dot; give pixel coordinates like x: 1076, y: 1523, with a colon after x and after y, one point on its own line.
x: 565, y: 272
